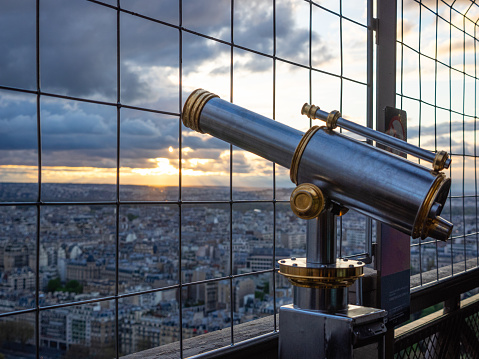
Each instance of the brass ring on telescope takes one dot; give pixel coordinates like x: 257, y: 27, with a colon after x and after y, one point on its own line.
x: 332, y: 119
x: 193, y: 107
x: 298, y: 153
x: 440, y: 161
x: 422, y: 222
x: 341, y: 274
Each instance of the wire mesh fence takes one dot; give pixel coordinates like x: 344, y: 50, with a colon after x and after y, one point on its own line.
x: 434, y: 339
x: 123, y: 230
x: 437, y: 86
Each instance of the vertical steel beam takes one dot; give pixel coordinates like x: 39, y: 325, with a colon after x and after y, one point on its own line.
x: 385, y: 58
x: 385, y: 96
x: 385, y: 74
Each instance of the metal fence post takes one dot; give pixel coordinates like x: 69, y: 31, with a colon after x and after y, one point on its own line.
x: 385, y: 58
x: 385, y: 96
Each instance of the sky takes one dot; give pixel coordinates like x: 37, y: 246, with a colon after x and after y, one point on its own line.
x: 78, y: 58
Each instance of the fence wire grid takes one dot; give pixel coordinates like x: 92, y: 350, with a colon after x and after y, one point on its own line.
x: 435, y: 340
x: 102, y: 263
x: 97, y: 261
x: 437, y: 86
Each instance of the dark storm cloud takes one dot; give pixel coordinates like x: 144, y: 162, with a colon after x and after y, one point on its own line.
x: 78, y: 57
x: 445, y: 135
x: 442, y: 128
x: 446, y: 143
x: 241, y: 164
x: 78, y: 42
x: 18, y: 157
x: 18, y: 125
x: 69, y: 125
x: 204, y: 142
x: 17, y: 43
x: 83, y: 134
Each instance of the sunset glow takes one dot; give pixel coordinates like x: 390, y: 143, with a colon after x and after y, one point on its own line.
x: 79, y: 139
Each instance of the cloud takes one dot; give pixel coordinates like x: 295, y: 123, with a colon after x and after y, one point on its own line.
x: 85, y: 135
x: 441, y: 140
x: 19, y: 157
x: 245, y: 163
x: 78, y: 44
x: 78, y: 49
x: 459, y: 5
x: 442, y: 128
x: 17, y: 36
x: 457, y: 50
x: 18, y: 124
x: 78, y: 57
x: 445, y: 134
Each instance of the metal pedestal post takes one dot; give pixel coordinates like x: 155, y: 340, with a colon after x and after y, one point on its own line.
x: 314, y: 334
x: 328, y: 300
x: 320, y: 323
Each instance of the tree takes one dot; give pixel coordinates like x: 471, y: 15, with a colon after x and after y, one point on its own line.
x: 25, y: 331
x: 106, y: 353
x: 131, y: 216
x: 77, y: 352
x: 144, y: 344
x: 3, y: 333
x: 266, y: 287
x: 74, y: 286
x: 54, y: 285
x: 16, y: 331
x: 10, y: 331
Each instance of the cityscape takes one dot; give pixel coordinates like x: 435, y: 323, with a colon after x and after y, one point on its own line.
x: 159, y: 247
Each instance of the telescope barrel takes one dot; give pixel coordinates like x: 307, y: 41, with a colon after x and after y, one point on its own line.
x: 315, y: 112
x: 241, y: 127
x: 372, y: 181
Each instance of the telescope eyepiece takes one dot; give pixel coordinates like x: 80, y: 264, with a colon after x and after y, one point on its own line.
x: 193, y: 107
x: 440, y: 229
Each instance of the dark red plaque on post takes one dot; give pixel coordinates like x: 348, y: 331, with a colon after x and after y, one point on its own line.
x: 395, y: 253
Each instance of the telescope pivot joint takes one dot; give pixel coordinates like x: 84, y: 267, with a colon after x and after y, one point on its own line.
x: 307, y: 201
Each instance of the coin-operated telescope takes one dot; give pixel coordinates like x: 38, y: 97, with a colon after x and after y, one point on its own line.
x: 333, y: 173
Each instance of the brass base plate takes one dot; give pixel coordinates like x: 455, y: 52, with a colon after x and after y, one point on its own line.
x: 341, y: 274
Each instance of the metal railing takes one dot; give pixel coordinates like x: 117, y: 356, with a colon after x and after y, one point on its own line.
x: 431, y: 336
